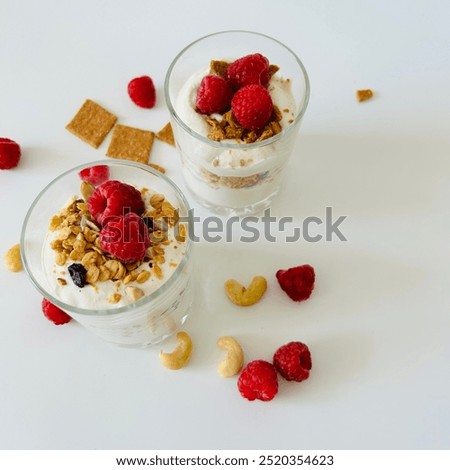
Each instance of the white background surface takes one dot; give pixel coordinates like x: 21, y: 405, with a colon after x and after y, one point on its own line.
x: 378, y: 321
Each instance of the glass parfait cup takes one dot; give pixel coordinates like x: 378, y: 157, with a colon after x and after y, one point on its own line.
x: 227, y: 176
x: 139, y: 323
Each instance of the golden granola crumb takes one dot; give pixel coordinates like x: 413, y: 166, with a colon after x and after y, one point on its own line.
x: 114, y: 298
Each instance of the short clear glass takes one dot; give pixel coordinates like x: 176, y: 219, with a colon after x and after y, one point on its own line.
x: 236, y: 189
x: 146, y: 321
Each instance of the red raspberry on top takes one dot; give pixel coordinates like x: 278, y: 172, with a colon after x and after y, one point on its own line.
x: 9, y: 153
x: 293, y: 361
x: 95, y: 175
x: 54, y: 313
x: 125, y: 237
x: 114, y: 198
x: 213, y: 95
x: 298, y: 282
x: 258, y: 381
x: 142, y: 91
x: 252, y: 106
x: 248, y: 70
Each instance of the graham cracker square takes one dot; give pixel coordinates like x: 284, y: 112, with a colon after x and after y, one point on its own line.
x: 166, y: 134
x: 92, y: 123
x: 130, y: 143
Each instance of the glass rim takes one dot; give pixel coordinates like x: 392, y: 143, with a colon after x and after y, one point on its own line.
x: 228, y: 145
x: 125, y: 308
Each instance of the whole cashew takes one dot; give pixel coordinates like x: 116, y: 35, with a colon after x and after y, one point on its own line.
x: 240, y: 295
x: 234, y: 360
x: 181, y: 354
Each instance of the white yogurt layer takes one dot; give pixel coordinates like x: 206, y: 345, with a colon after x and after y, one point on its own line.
x: 97, y: 297
x: 282, y: 96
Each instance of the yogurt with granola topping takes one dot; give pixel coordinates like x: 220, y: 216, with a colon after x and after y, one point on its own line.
x: 109, y: 283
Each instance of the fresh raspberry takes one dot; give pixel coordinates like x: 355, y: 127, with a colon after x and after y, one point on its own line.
x: 95, y: 175
x: 214, y: 95
x: 125, y: 237
x: 252, y: 106
x: 293, y: 361
x: 258, y: 380
x: 298, y: 282
x: 248, y: 70
x: 114, y: 198
x: 9, y: 153
x: 54, y: 313
x: 142, y: 91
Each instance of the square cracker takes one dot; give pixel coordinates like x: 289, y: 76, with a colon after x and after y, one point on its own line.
x: 92, y: 123
x: 130, y: 143
x: 166, y: 134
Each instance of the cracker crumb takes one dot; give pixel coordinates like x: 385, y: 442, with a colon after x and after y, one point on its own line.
x: 156, y: 167
x: 229, y: 128
x: 219, y: 67
x: 166, y: 135
x: 273, y: 69
x: 364, y: 95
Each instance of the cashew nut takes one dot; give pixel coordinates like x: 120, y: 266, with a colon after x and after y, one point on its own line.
x: 240, y: 295
x: 234, y: 360
x: 12, y: 259
x: 181, y: 354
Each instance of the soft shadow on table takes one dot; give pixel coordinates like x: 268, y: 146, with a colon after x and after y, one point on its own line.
x: 364, y: 174
x: 352, y: 289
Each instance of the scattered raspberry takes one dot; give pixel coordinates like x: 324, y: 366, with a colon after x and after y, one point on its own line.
x: 252, y: 106
x: 298, y: 282
x: 54, y: 313
x: 258, y: 380
x: 214, y: 95
x: 9, y: 153
x: 142, y: 91
x: 248, y: 70
x: 114, y: 198
x: 125, y: 237
x: 95, y: 175
x: 293, y: 361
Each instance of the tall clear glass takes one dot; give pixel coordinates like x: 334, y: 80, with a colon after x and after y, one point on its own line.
x: 227, y: 176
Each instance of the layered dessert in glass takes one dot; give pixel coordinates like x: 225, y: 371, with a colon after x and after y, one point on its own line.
x: 234, y: 147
